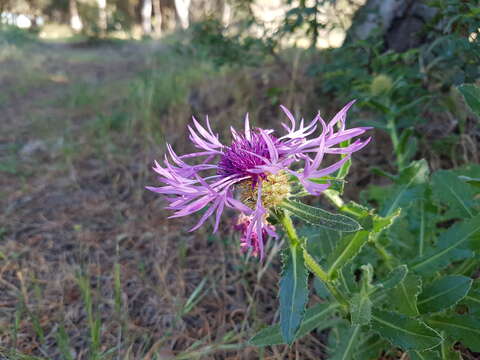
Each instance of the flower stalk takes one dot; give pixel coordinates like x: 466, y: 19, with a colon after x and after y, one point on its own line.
x: 286, y: 221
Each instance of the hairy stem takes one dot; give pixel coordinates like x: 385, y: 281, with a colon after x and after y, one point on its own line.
x: 315, y: 268
x: 287, y: 223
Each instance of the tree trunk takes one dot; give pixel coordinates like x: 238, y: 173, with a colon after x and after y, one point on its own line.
x: 158, y: 17
x: 147, y: 17
x: 399, y: 21
x: 75, y: 21
x: 183, y: 7
x: 102, y: 16
x: 375, y: 14
x: 226, y: 13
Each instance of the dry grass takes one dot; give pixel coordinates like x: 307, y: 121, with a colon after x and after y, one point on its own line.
x: 90, y: 267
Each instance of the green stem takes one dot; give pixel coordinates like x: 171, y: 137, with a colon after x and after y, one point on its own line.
x: 286, y: 221
x: 334, y: 198
x: 384, y: 255
x: 392, y: 129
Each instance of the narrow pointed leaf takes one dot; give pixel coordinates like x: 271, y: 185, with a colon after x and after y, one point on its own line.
x: 461, y: 328
x: 346, y: 279
x: 360, y: 304
x: 320, y: 241
x: 320, y: 217
x: 409, y: 187
x: 348, y: 343
x: 361, y: 309
x: 321, y: 289
x: 475, y: 182
x: 346, y: 250
x: 449, y: 189
x: 471, y: 93
x: 453, y: 244
x: 368, y: 219
x: 350, y: 245
x: 316, y: 317
x: 405, y: 295
x: 371, y: 348
x: 443, y: 293
x: 472, y: 300
x: 404, y: 332
x: 395, y: 277
x: 293, y: 292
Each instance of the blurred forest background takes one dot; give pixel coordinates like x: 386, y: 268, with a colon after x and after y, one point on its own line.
x: 90, y: 91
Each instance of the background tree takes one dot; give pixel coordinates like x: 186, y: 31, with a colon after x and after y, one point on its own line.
x: 102, y: 16
x: 399, y: 22
x: 146, y: 17
x: 75, y: 21
x: 158, y: 17
x: 183, y: 12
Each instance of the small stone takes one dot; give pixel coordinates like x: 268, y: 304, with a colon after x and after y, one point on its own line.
x: 33, y: 147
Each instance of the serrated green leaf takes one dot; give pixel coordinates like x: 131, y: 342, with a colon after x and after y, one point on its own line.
x: 382, y: 223
x: 360, y: 309
x: 316, y: 317
x: 471, y: 93
x: 451, y: 247
x: 371, y: 348
x: 320, y: 217
x: 348, y: 247
x: 404, y: 332
x: 361, y: 213
x: 320, y: 241
x: 321, y: 289
x: 443, y: 293
x: 293, y: 292
x: 395, y: 277
x: 409, y: 187
x: 347, y: 345
x: 404, y: 296
x: 368, y: 219
x: 469, y: 180
x: 472, y: 300
x: 412, y: 232
x: 448, y: 189
x: 360, y: 304
x: 346, y: 279
x: 463, y: 328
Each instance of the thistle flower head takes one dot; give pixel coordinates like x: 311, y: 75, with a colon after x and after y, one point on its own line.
x: 255, y: 172
x: 381, y: 84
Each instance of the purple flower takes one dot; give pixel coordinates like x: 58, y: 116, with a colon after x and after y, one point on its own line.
x: 255, y: 243
x: 255, y: 172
